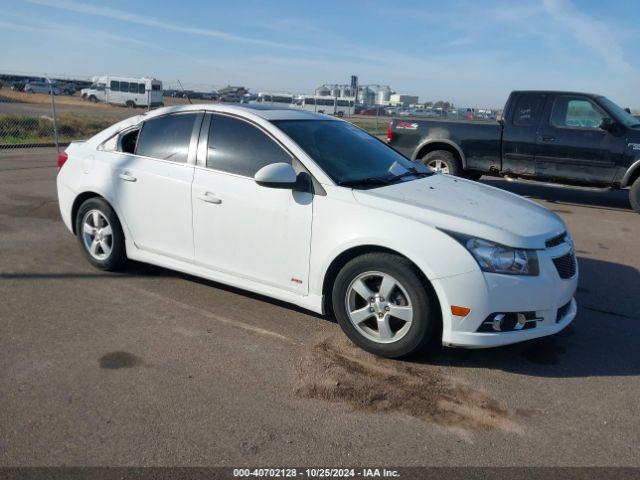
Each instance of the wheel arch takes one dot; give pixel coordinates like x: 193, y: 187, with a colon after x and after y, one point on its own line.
x: 433, y: 144
x: 631, y: 175
x: 83, y: 197
x: 355, y: 251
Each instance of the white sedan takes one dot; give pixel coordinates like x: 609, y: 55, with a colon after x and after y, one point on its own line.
x: 314, y: 211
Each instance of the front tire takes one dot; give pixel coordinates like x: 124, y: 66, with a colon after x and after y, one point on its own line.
x: 130, y: 104
x: 442, y: 161
x: 383, y: 306
x: 100, y: 235
x: 634, y: 195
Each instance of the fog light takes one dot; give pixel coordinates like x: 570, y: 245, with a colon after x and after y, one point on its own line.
x: 509, y: 322
x: 497, y: 322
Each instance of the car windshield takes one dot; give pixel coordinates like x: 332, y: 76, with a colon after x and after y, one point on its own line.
x: 619, y: 113
x: 349, y: 155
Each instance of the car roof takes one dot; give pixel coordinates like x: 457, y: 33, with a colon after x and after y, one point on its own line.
x: 558, y: 92
x: 265, y: 112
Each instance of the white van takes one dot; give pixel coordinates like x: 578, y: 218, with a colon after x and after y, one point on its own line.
x: 131, y: 92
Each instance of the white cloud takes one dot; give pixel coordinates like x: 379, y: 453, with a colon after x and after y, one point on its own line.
x: 592, y: 33
x: 125, y: 16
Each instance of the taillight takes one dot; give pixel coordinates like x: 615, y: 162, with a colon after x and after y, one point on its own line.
x: 389, y: 133
x: 62, y: 158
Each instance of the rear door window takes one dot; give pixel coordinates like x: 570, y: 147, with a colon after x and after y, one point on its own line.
x: 236, y: 146
x: 167, y: 137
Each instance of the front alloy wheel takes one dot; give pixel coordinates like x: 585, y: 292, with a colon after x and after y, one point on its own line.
x: 379, y: 307
x: 385, y: 305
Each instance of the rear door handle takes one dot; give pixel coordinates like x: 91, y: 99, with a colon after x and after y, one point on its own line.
x: 548, y: 138
x: 210, y: 198
x: 127, y: 177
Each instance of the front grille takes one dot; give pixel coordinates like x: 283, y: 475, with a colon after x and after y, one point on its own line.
x: 555, y: 241
x: 566, y: 265
x: 562, y: 311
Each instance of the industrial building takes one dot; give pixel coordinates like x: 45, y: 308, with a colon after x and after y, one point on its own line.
x: 372, y: 94
x: 398, y: 100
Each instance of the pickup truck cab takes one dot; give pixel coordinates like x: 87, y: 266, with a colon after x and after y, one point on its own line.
x: 560, y: 137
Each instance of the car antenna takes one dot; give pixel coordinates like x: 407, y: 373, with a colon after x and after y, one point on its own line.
x: 185, y: 93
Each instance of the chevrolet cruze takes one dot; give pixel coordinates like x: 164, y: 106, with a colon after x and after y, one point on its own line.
x: 314, y: 211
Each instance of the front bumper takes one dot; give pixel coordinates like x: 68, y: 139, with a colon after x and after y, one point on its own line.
x: 548, y: 295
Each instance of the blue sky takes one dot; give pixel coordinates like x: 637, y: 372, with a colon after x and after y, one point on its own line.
x: 470, y: 52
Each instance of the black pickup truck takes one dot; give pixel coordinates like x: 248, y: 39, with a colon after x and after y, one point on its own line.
x: 559, y: 137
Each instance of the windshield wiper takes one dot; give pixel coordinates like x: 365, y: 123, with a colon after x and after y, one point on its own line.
x: 410, y: 173
x: 364, y: 181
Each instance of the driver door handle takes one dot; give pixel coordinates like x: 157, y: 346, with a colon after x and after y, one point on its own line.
x: 210, y: 198
x: 127, y: 177
x: 547, y: 138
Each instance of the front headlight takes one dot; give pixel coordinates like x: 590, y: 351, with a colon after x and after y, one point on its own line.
x: 495, y: 258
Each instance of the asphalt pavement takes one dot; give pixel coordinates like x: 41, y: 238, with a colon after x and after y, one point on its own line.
x: 153, y: 367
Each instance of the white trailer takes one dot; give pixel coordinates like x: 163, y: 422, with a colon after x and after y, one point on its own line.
x: 127, y: 91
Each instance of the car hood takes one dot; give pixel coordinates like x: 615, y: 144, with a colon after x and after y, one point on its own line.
x: 471, y: 208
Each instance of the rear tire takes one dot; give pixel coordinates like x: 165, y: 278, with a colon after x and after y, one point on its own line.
x: 634, y: 195
x: 100, y: 235
x: 130, y: 104
x: 372, y: 325
x: 93, y: 99
x: 442, y: 161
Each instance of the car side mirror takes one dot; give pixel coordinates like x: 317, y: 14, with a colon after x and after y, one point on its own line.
x: 277, y: 175
x: 606, y: 124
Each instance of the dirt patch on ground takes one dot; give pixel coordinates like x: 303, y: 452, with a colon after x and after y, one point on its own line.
x: 335, y: 370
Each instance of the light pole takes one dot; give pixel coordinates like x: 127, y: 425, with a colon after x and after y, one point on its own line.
x: 53, y: 112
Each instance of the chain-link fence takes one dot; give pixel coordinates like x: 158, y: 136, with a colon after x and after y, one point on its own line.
x: 38, y: 114
x: 26, y: 123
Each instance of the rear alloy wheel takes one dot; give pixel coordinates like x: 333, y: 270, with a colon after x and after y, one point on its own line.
x: 383, y: 306
x: 100, y: 234
x: 634, y: 195
x: 441, y: 161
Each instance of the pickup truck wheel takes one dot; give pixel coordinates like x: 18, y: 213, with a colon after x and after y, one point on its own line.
x: 383, y: 307
x: 634, y: 196
x: 441, y: 161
